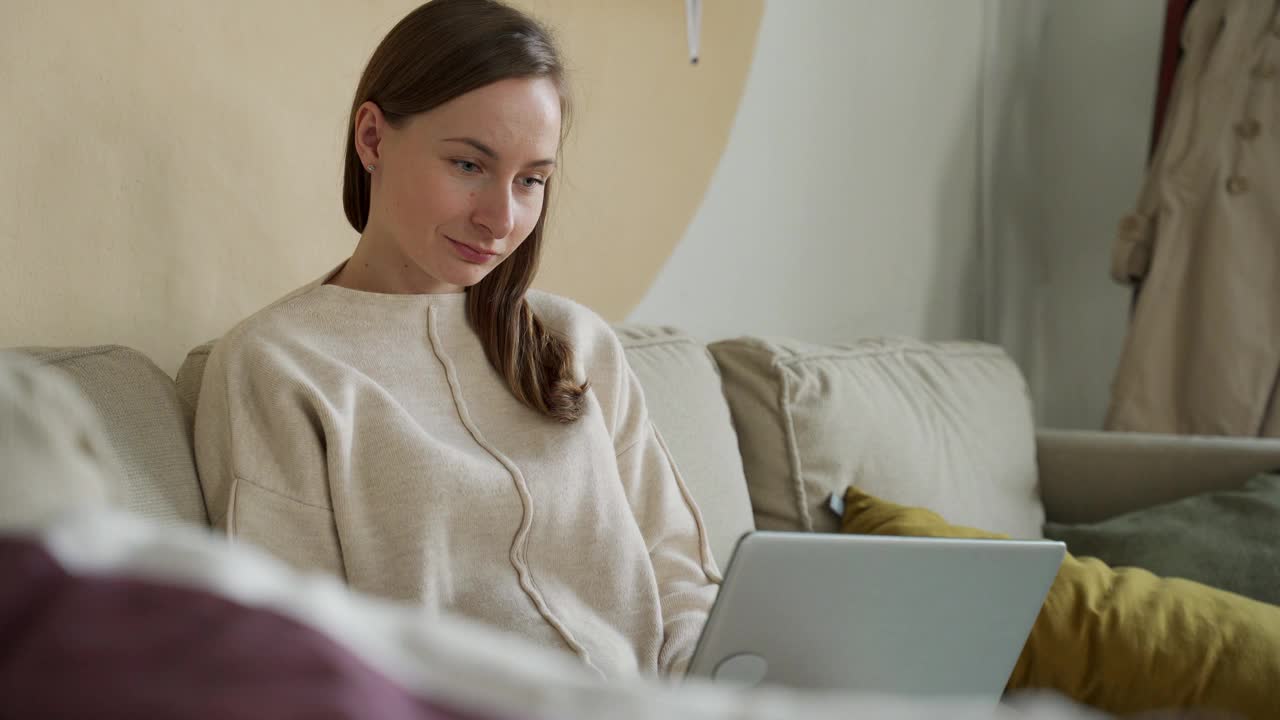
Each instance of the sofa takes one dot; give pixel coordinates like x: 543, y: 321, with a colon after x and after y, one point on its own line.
x: 764, y: 431
x: 767, y: 434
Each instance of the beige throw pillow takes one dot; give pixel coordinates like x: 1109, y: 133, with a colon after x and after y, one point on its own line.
x: 143, y: 421
x: 945, y: 426
x: 53, y: 454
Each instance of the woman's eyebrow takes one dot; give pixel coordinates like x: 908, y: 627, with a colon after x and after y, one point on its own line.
x: 488, y: 151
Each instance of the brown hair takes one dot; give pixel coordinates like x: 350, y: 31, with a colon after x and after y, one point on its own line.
x: 441, y: 50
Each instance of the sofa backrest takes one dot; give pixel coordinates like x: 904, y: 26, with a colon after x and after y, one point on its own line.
x: 945, y: 425
x: 682, y: 391
x: 54, y: 455
x: 146, y: 428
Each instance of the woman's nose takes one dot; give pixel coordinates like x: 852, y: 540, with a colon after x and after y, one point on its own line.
x: 494, y: 210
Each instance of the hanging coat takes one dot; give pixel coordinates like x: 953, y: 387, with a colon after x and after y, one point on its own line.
x: 1202, y: 355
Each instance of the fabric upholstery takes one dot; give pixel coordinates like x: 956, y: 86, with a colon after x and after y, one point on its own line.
x: 187, y: 381
x: 946, y: 426
x: 1226, y: 539
x: 454, y: 664
x: 53, y: 452
x: 1086, y: 476
x: 1124, y: 640
x: 252, y: 662
x: 682, y: 390
x: 145, y: 428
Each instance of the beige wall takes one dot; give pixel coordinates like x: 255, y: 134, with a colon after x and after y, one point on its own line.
x: 172, y: 165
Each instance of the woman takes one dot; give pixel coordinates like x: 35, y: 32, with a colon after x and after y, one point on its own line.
x: 421, y: 424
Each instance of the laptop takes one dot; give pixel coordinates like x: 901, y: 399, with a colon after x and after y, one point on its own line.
x: 924, y: 617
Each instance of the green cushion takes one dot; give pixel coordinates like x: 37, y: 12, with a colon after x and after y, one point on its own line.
x: 1228, y: 539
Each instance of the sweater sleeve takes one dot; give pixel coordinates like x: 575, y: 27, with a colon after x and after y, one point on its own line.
x: 673, y: 531
x: 260, y: 453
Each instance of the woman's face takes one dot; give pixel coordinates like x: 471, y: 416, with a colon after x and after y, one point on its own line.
x: 457, y: 189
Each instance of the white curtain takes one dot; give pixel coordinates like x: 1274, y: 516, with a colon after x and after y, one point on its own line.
x: 1065, y: 123
x: 1014, y: 268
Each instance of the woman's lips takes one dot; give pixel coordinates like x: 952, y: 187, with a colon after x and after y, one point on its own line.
x: 470, y: 254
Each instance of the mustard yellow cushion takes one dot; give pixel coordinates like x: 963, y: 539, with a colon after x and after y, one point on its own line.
x: 1124, y: 640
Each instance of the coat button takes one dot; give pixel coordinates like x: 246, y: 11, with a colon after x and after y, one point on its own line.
x: 1264, y: 72
x: 1237, y: 185
x: 1133, y: 225
x: 1248, y: 129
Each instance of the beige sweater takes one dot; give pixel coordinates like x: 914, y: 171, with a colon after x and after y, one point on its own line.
x: 367, y: 435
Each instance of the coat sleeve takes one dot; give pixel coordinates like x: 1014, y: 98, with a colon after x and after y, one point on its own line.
x: 260, y: 453
x: 1134, y: 246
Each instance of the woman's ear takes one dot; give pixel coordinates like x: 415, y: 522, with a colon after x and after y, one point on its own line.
x: 370, y: 126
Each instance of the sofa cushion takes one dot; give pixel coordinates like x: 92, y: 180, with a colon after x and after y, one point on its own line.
x: 54, y: 455
x: 127, y: 628
x: 1124, y: 640
x: 682, y: 391
x: 1224, y: 539
x: 946, y: 426
x: 455, y: 662
x: 188, y: 380
x: 145, y: 428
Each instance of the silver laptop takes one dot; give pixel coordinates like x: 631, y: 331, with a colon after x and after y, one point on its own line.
x: 914, y: 616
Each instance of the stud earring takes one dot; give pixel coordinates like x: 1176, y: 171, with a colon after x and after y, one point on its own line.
x: 369, y: 167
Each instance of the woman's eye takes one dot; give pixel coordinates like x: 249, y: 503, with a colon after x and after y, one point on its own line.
x: 466, y: 166
x: 530, y: 183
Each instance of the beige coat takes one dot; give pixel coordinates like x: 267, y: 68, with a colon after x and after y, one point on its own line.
x: 1203, y: 246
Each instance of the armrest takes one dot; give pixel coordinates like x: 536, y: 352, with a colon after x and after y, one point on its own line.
x: 1088, y: 476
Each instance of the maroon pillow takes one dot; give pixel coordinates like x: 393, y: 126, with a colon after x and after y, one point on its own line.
x: 117, y: 647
